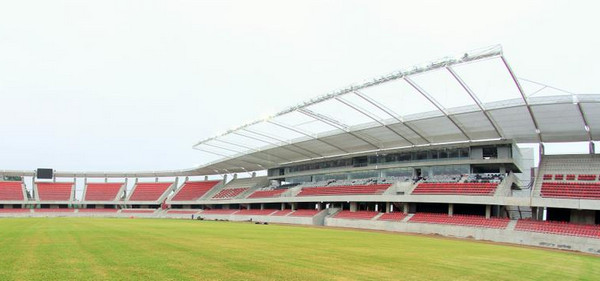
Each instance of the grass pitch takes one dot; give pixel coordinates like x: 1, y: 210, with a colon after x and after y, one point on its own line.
x: 152, y: 249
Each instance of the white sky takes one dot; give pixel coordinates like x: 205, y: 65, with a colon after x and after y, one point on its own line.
x: 132, y: 85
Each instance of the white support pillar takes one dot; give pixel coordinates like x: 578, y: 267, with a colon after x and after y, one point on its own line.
x: 488, y: 211
x: 353, y: 206
x: 282, y: 206
x: 388, y: 207
x: 262, y: 206
x: 405, y: 208
x: 294, y: 205
x: 450, y: 209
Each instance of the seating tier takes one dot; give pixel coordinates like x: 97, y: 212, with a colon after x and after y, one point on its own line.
x: 11, y: 191
x: 220, y: 211
x: 229, y: 193
x: 192, y: 191
x: 560, y: 228
x: 51, y: 191
x: 102, y: 191
x: 470, y: 188
x: 344, y: 190
x: 572, y: 190
x: 255, y: 212
x: 358, y: 215
x: 149, y: 191
x: 304, y: 213
x: 462, y: 220
x: 396, y: 216
x: 267, y: 193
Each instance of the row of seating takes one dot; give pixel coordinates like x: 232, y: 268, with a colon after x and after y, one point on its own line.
x: 455, y: 188
x: 572, y: 190
x: 560, y: 228
x: 461, y: 220
x: 229, y: 193
x: 55, y: 191
x: 267, y: 193
x: 569, y: 177
x: 345, y: 190
x: 359, y: 215
x: 191, y: 191
x: 11, y: 191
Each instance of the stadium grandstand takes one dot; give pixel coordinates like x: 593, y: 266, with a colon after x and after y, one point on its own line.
x: 430, y: 149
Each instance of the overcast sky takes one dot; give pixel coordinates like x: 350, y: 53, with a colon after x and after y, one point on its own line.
x: 132, y: 85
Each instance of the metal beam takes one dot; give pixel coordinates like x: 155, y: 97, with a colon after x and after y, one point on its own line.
x: 586, y: 125
x: 437, y: 105
x: 306, y: 134
x: 390, y: 113
x: 252, y: 149
x: 370, y: 116
x: 275, y: 144
x: 266, y: 161
x: 522, y: 92
x: 477, y: 101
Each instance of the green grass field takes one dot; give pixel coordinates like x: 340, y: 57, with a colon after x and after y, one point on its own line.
x: 152, y: 249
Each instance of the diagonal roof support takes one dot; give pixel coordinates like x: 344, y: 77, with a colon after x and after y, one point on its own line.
x: 586, y: 125
x: 370, y: 116
x: 390, y: 113
x: 275, y: 144
x: 266, y: 161
x: 337, y: 124
x: 522, y: 92
x: 477, y: 101
x: 251, y: 149
x: 437, y: 105
x: 306, y: 134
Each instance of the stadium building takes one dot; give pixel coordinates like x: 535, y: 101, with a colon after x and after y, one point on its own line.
x: 432, y: 149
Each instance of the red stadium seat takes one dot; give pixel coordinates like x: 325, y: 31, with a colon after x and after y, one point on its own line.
x: 51, y: 191
x: 462, y: 220
x: 11, y: 191
x: 192, y: 191
x: 560, y: 228
x: 149, y: 191
x: 345, y: 190
x: 455, y: 188
x: 102, y: 191
x: 358, y: 215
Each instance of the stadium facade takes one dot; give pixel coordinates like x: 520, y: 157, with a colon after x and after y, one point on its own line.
x: 433, y: 149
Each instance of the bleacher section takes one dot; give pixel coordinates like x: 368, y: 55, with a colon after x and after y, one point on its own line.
x: 466, y: 188
x: 11, y: 191
x: 98, y: 210
x: 191, y: 191
x: 569, y: 177
x: 462, y: 220
x: 358, y: 215
x: 345, y: 190
x: 304, y: 213
x: 183, y: 212
x: 149, y: 191
x: 282, y: 213
x: 255, y: 212
x: 51, y: 191
x: 53, y: 210
x: 138, y: 211
x: 219, y: 211
x: 560, y: 228
x: 102, y: 191
x: 14, y: 211
x: 229, y: 193
x: 267, y: 193
x: 396, y: 216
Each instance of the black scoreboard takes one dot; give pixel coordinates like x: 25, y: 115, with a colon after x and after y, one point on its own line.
x: 44, y: 173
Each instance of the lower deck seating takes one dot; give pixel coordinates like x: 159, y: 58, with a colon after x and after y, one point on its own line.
x: 560, y: 228
x: 14, y: 211
x: 304, y: 213
x: 573, y: 190
x: 229, y: 193
x: 255, y: 212
x: 53, y: 210
x: 396, y: 216
x: 183, y: 212
x: 267, y: 193
x: 282, y: 213
x: 220, y: 211
x: 345, y: 190
x: 358, y: 215
x: 11, y: 191
x: 470, y: 188
x: 98, y: 210
x: 138, y: 211
x: 462, y: 220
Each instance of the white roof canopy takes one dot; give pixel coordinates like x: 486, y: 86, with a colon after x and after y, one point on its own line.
x: 473, y: 97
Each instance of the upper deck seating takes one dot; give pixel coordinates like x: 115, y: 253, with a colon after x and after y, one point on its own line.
x: 358, y: 215
x: 149, y: 191
x: 255, y: 212
x: 561, y: 228
x: 54, y: 191
x: 229, y: 193
x: 345, y: 190
x: 572, y: 190
x: 192, y: 191
x: 462, y: 220
x: 102, y: 191
x: 471, y: 188
x: 267, y: 193
x: 395, y: 216
x: 11, y: 191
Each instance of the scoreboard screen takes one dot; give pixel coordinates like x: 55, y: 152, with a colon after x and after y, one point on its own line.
x: 44, y: 173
